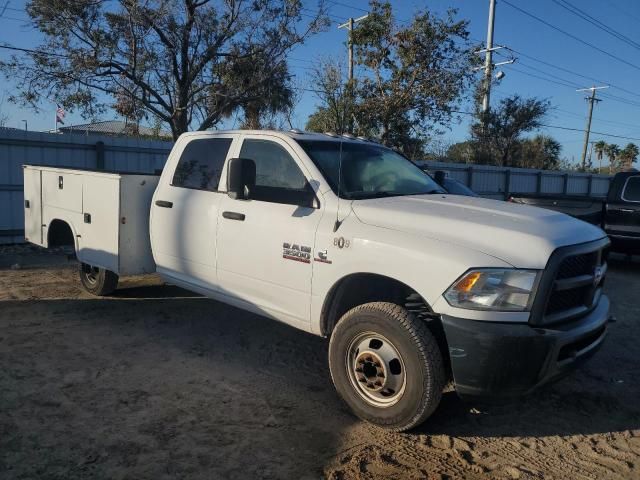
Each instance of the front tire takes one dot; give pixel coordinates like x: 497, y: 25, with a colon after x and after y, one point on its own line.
x: 96, y: 280
x: 386, y: 365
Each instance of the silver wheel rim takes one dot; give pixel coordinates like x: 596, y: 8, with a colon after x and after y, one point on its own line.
x: 90, y: 273
x: 376, y: 369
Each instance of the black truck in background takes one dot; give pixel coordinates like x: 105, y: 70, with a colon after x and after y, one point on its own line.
x: 618, y: 214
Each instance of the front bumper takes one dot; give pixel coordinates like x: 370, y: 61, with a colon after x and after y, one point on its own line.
x: 508, y: 359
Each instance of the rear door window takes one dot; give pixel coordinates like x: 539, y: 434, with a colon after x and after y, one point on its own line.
x: 201, y: 163
x: 631, y: 191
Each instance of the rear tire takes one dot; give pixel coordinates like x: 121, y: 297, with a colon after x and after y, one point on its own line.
x: 96, y: 280
x: 386, y: 365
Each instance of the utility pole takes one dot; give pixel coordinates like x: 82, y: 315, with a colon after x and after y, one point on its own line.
x: 591, y: 99
x: 591, y: 152
x: 349, y: 25
x: 488, y: 66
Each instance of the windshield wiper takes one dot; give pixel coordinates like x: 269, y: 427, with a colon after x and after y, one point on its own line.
x: 367, y: 195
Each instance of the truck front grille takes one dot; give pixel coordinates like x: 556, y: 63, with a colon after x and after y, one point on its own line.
x: 578, y: 265
x: 573, y: 283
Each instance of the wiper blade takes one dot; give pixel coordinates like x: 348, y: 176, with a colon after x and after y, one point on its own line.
x: 365, y: 195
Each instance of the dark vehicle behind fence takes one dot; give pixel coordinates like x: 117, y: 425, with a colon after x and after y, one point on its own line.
x: 618, y: 214
x: 454, y: 187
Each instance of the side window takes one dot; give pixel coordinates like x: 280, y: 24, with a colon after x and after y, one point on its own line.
x: 632, y: 189
x: 278, y: 177
x: 201, y: 163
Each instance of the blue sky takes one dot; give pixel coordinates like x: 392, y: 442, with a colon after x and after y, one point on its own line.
x: 618, y: 113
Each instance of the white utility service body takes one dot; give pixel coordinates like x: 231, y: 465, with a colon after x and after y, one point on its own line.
x: 289, y: 244
x: 108, y: 214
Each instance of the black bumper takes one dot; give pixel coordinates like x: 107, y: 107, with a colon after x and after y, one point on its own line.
x: 507, y: 359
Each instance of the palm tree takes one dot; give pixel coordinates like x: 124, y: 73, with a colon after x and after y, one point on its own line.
x: 600, y: 147
x: 628, y: 155
x: 612, y: 151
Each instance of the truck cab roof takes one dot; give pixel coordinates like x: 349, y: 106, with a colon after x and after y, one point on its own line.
x: 292, y: 133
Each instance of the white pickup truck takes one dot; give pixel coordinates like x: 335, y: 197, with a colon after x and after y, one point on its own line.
x: 344, y: 238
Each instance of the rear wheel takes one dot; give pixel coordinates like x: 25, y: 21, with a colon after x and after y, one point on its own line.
x: 386, y: 365
x: 96, y: 280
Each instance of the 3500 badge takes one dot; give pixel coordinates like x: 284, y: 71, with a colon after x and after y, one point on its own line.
x: 299, y: 253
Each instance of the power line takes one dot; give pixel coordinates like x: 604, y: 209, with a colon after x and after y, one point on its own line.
x: 599, y: 120
x: 345, y: 5
x: 566, y: 70
x: 570, y: 35
x: 594, y: 21
x: 29, y: 50
x: 569, y: 84
x: 581, y: 130
x: 621, y: 10
x: 557, y: 82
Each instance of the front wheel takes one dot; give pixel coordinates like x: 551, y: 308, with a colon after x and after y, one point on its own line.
x: 96, y: 280
x: 386, y: 365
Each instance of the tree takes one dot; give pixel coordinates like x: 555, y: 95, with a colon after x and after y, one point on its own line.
x: 505, y: 124
x: 186, y: 62
x: 462, y: 152
x: 600, y: 148
x: 627, y: 156
x: 414, y: 75
x: 411, y: 77
x: 337, y: 106
x: 541, y: 152
x: 612, y: 151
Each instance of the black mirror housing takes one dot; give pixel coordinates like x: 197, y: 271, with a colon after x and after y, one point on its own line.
x: 241, y: 178
x: 439, y: 176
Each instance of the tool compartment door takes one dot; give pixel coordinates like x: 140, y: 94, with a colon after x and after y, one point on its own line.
x: 98, y: 243
x: 33, y: 205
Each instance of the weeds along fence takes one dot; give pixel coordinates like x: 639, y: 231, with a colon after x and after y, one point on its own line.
x: 19, y: 147
x: 500, y: 182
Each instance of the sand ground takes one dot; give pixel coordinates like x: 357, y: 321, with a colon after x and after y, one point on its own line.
x: 157, y: 383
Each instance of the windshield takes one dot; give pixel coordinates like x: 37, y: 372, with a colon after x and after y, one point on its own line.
x: 368, y: 171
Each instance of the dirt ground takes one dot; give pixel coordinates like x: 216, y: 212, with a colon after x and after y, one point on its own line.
x: 158, y: 383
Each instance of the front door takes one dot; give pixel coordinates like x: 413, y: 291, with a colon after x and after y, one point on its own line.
x: 623, y: 215
x: 185, y: 212
x: 265, y: 244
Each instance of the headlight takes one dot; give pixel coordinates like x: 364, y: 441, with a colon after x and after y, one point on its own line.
x: 494, y: 289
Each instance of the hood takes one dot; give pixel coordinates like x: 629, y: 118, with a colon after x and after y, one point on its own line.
x: 521, y: 235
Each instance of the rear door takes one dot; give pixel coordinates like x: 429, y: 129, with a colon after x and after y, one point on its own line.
x: 33, y: 205
x: 185, y: 211
x: 265, y: 245
x: 623, y: 214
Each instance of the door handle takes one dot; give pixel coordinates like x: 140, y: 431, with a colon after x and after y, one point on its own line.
x: 627, y: 210
x: 234, y: 216
x: 164, y: 204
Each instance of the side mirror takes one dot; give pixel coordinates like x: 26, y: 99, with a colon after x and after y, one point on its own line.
x: 439, y: 176
x: 241, y: 178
